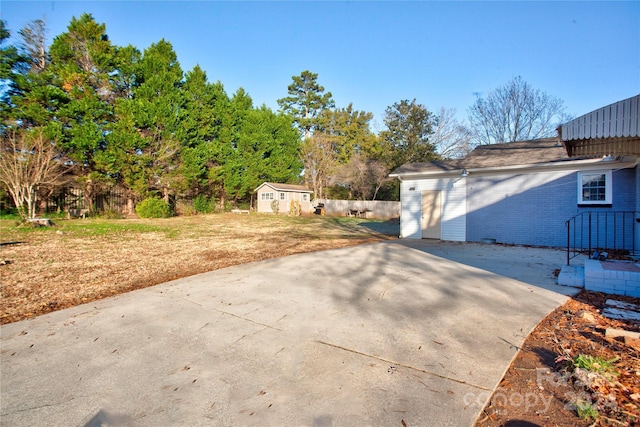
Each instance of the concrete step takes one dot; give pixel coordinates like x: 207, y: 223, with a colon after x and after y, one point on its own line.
x: 571, y: 275
x: 611, y: 277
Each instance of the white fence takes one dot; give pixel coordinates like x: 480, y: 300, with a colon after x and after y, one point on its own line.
x: 366, y: 208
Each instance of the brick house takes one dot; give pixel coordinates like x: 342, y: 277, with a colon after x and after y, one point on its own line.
x: 526, y: 192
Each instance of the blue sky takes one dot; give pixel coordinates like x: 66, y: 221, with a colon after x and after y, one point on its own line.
x: 373, y: 54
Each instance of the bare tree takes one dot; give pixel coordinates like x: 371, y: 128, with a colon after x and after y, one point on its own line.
x: 451, y: 138
x: 379, y: 175
x: 515, y: 112
x: 33, y: 44
x: 29, y: 161
x: 362, y: 176
x: 318, y: 156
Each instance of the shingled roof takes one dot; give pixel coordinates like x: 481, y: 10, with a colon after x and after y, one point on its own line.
x: 521, y: 153
x: 286, y: 187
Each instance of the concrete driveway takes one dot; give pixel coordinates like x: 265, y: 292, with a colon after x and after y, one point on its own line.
x: 375, y: 334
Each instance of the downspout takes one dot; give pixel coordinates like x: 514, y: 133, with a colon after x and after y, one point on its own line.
x: 400, y: 234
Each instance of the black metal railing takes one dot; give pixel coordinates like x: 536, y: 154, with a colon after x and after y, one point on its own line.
x: 610, y: 231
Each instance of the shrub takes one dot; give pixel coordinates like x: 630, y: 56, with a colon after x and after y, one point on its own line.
x: 275, y: 206
x: 153, y: 207
x: 244, y: 206
x: 185, y: 208
x: 294, y: 208
x: 202, y: 204
x: 227, y: 207
x: 59, y: 214
x: 111, y: 214
x: 10, y: 213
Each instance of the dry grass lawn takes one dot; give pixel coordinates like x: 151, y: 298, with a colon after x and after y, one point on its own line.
x: 81, y: 260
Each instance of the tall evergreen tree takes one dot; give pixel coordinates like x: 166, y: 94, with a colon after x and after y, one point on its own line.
x: 306, y: 101
x: 351, y: 132
x: 82, y: 61
x: 155, y: 113
x: 409, y: 127
x: 9, y: 61
x: 266, y: 149
x: 32, y: 99
x: 206, y: 138
x: 120, y: 161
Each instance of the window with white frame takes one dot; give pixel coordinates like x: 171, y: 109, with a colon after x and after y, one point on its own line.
x: 594, y: 188
x: 283, y: 196
x: 305, y: 197
x: 266, y: 196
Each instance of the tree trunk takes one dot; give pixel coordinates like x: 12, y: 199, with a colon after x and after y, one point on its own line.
x: 18, y: 199
x: 130, y: 205
x: 87, y: 196
x: 31, y: 202
x: 375, y: 193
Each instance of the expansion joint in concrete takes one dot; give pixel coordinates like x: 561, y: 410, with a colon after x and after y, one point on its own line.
x: 248, y: 320
x: 394, y: 363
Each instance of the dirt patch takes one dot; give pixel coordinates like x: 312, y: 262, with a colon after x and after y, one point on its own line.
x: 542, y: 387
x: 79, y: 261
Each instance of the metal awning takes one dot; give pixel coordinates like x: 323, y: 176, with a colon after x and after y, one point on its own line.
x: 613, y: 130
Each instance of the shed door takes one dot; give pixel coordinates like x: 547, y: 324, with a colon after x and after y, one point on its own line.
x: 431, y: 210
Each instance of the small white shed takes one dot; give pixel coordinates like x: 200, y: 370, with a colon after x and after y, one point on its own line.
x: 282, y: 198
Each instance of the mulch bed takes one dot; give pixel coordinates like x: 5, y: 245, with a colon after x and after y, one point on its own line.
x: 542, y: 386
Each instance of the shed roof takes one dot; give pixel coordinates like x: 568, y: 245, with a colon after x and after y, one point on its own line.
x: 285, y: 187
x: 521, y: 153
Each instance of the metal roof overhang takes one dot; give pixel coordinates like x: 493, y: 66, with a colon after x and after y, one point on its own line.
x: 613, y: 130
x: 629, y: 146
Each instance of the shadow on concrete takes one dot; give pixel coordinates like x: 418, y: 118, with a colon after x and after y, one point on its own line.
x: 373, y: 227
x: 533, y: 265
x: 104, y: 418
x: 389, y: 228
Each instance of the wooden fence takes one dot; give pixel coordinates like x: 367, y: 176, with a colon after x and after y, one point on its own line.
x: 67, y: 199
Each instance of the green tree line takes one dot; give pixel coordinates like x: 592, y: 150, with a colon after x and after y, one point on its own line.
x: 119, y: 116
